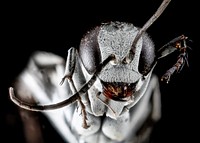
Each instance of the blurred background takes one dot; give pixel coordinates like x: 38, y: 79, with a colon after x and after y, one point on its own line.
x: 55, y: 27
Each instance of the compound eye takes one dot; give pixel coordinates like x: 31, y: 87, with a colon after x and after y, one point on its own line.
x: 89, y: 51
x: 147, y: 56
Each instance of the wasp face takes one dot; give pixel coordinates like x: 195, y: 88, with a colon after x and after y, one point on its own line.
x: 127, y: 73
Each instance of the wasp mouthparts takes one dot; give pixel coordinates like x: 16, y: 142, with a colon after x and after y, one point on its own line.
x: 118, y: 91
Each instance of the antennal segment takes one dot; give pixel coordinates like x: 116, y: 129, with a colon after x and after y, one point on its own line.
x: 157, y: 14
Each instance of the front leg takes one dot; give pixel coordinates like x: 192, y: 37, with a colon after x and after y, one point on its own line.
x: 69, y: 70
x: 178, y: 43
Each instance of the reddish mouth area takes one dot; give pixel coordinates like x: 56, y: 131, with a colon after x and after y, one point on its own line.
x: 118, y: 91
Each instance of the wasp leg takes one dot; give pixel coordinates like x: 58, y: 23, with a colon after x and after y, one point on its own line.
x: 178, y: 43
x: 69, y: 70
x: 83, y: 112
x: 70, y: 64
